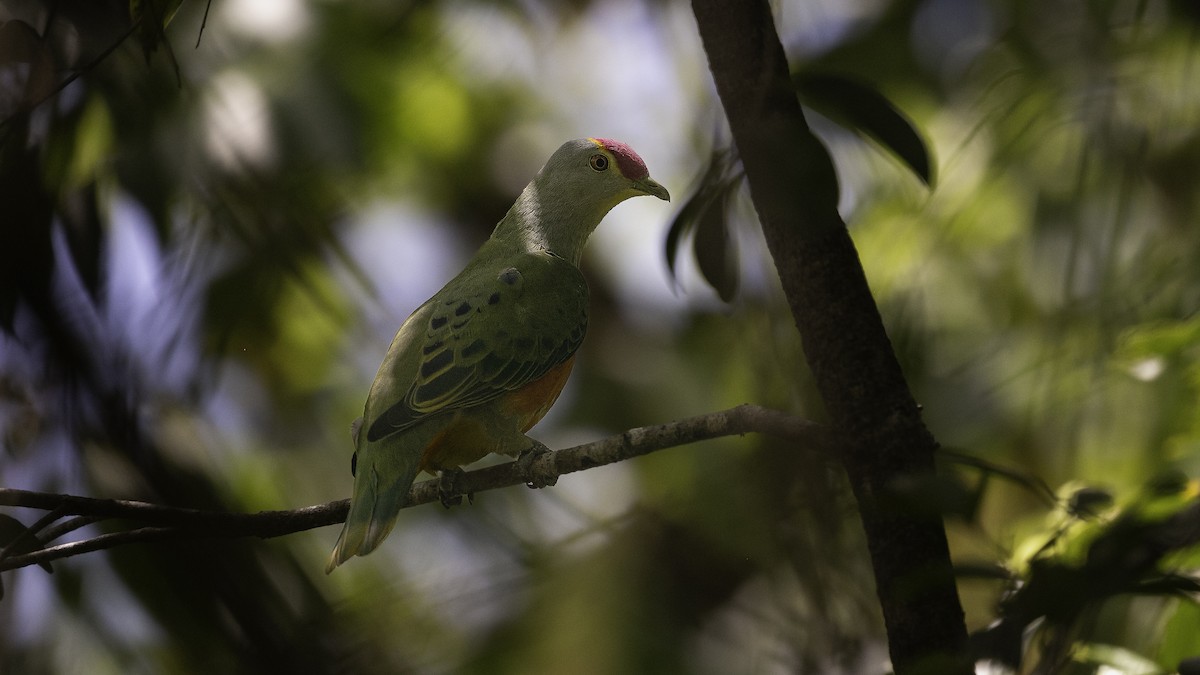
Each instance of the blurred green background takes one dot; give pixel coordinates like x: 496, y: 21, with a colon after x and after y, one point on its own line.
x: 206, y: 244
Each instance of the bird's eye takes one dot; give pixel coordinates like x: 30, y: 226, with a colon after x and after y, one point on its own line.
x: 599, y: 162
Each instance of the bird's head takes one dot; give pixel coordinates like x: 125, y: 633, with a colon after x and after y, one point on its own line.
x: 599, y: 170
x: 579, y: 184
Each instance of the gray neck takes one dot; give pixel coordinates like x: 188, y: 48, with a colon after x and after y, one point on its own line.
x: 561, y: 227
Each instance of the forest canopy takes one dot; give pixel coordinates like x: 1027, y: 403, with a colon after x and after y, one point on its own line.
x: 214, y: 216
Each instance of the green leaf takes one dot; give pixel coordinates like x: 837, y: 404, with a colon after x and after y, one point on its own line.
x: 861, y: 108
x: 1116, y: 658
x: 1178, y: 635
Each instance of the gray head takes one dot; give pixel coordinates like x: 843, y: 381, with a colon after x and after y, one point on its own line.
x: 579, y: 184
x: 600, y: 169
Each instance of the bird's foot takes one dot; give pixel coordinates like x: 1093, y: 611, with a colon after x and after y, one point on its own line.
x: 537, y: 474
x: 448, y: 492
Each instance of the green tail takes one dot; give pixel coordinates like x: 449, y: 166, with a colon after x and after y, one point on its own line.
x: 384, y: 474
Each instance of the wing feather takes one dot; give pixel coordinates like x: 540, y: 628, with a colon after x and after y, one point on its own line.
x: 479, y: 345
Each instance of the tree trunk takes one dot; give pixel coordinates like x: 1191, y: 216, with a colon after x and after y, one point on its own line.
x: 794, y: 189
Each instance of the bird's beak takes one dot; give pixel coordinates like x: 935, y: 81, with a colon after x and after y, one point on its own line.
x: 651, y: 187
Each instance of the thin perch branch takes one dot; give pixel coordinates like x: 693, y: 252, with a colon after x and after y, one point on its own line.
x: 167, y: 522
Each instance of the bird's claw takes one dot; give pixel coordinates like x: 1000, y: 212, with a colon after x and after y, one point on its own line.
x: 536, y: 475
x: 448, y: 492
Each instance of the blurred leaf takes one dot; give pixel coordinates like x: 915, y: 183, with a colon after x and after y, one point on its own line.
x: 21, y: 44
x: 69, y: 584
x: 1116, y: 659
x: 861, y: 108
x: 706, y: 213
x: 12, y: 530
x: 1125, y: 554
x: 942, y: 494
x: 1088, y: 502
x: 1187, y: 10
x: 1179, y: 635
x: 26, y: 258
x: 1170, y: 482
x: 150, y: 19
x: 695, y: 205
x: 1160, y: 338
x: 982, y: 571
x: 1171, y: 584
x: 1028, y: 481
x: 715, y: 245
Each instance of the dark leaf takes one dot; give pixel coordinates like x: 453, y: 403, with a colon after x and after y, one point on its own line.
x: 1186, y: 10
x: 715, y: 245
x: 710, y: 184
x: 1167, y: 483
x: 999, y: 642
x: 13, y: 533
x: 26, y: 256
x: 982, y: 571
x: 1171, y: 584
x: 943, y: 494
x: 151, y: 18
x: 1028, y: 481
x: 705, y: 213
x: 21, y: 44
x: 682, y: 223
x: 69, y: 585
x: 1088, y: 502
x: 859, y: 107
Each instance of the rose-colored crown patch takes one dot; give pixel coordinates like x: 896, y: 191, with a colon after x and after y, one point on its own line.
x: 628, y: 162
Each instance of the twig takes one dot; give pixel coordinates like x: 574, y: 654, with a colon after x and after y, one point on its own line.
x: 203, y: 23
x: 167, y: 522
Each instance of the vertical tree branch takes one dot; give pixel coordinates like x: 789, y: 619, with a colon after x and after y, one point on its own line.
x: 794, y: 189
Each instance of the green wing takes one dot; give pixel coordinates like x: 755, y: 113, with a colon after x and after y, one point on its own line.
x: 485, y: 339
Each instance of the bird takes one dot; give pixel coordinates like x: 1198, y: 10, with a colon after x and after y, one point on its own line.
x: 482, y: 361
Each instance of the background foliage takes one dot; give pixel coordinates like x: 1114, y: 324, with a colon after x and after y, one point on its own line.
x: 205, y: 248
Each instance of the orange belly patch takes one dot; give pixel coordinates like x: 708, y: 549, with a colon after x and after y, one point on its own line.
x: 466, y: 440
x: 462, y: 442
x: 531, y: 402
